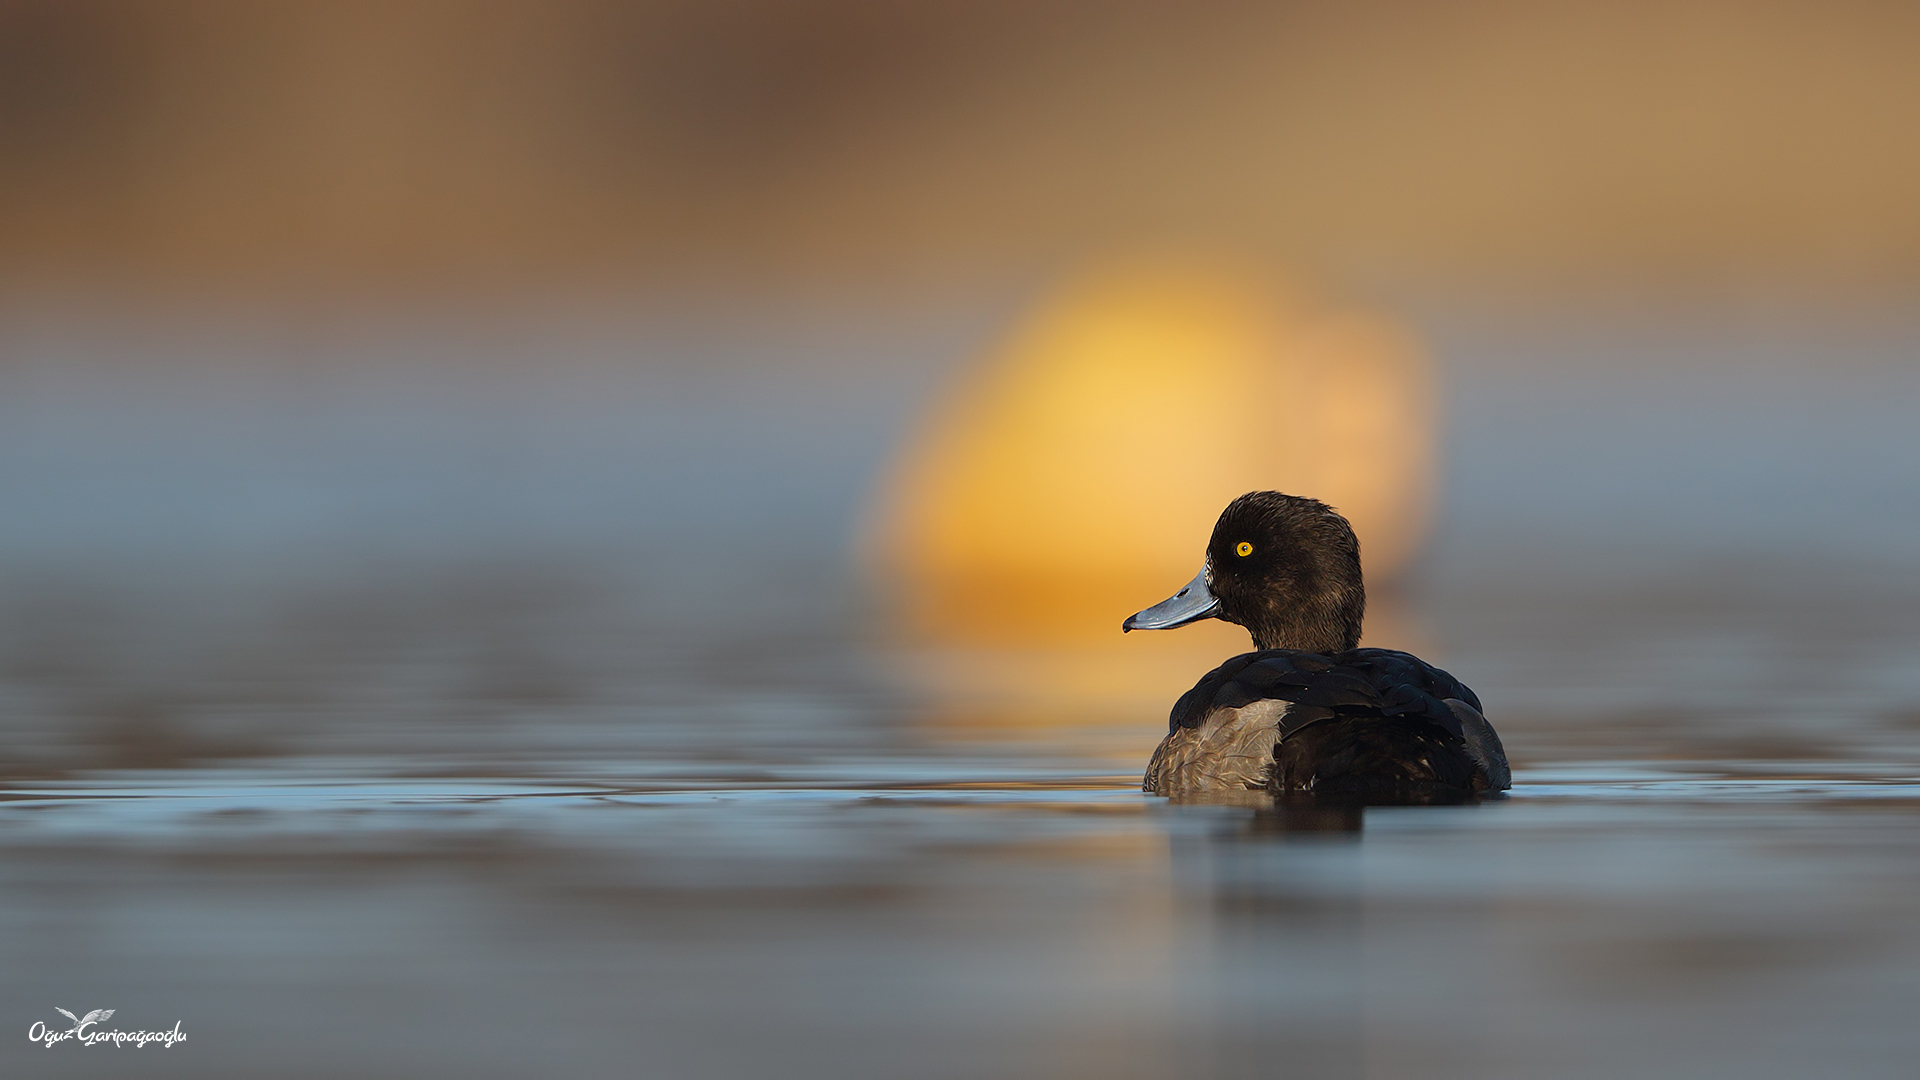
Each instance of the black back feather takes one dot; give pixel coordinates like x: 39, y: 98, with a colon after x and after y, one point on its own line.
x: 1357, y: 682
x: 1382, y: 726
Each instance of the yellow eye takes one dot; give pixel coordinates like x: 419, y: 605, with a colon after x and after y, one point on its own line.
x: 1244, y: 549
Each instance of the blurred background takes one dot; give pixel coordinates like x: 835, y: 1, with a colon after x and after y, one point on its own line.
x: 413, y: 146
x: 550, y: 507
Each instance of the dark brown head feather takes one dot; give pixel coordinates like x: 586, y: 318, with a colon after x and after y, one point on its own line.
x: 1299, y: 585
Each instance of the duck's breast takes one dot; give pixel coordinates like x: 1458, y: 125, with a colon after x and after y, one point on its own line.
x: 1230, y: 749
x: 1222, y: 732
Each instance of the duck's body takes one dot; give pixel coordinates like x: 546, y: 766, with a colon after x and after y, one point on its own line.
x: 1310, y: 712
x: 1363, y: 723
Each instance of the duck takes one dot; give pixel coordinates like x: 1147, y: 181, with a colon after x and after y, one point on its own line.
x: 1309, y: 713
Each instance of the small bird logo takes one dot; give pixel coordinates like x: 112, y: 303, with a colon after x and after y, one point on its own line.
x: 82, y: 1021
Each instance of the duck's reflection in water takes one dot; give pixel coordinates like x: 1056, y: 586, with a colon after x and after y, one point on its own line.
x: 1284, y: 817
x: 1274, y: 888
x: 1263, y: 815
x: 1309, y: 945
x: 1288, y: 819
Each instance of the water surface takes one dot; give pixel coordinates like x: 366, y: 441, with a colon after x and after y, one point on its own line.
x: 402, y: 712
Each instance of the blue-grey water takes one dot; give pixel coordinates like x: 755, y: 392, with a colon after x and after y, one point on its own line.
x: 398, y: 700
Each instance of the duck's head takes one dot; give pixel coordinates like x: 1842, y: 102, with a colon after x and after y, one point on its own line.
x: 1284, y: 567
